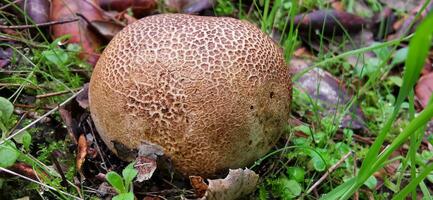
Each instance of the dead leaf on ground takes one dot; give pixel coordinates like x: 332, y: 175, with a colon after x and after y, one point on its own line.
x: 106, y: 29
x: 237, y: 184
x: 79, y: 31
x: 402, y: 5
x: 331, y: 94
x: 189, y: 6
x: 37, y: 10
x: 140, y: 8
x: 199, y: 185
x: 424, y: 89
x: 5, y: 56
x: 25, y: 170
x: 145, y: 162
x: 83, y: 97
x: 81, y: 151
x: 329, y: 22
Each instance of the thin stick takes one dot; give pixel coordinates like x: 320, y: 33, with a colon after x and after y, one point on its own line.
x: 37, y: 182
x: 330, y: 170
x: 39, y: 25
x: 9, y: 4
x: 55, y: 93
x: 41, y: 117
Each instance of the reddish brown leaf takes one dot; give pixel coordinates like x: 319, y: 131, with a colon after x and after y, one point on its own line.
x: 199, y: 185
x: 83, y: 97
x: 140, y: 8
x: 26, y: 170
x: 145, y: 162
x: 106, y: 29
x: 81, y: 151
x: 37, y: 10
x: 424, y: 89
x: 189, y: 6
x: 320, y: 85
x: 67, y: 9
x: 332, y: 22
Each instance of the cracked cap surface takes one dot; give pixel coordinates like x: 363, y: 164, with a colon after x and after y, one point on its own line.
x: 213, y: 92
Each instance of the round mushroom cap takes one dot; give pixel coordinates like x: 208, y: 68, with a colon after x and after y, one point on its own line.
x: 213, y: 92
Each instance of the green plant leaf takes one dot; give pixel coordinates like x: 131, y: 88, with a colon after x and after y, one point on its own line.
x: 371, y: 182
x: 56, y: 56
x: 296, y: 173
x: 129, y: 173
x: 116, y: 181
x: 124, y: 196
x: 8, y: 154
x: 6, y: 109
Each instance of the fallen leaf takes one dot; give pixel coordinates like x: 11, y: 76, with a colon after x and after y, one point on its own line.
x: 424, y: 89
x: 145, y: 162
x: 331, y: 94
x: 5, y: 56
x: 37, y: 10
x: 140, y: 8
x: 237, y: 184
x: 199, y: 185
x: 329, y: 22
x: 25, y: 170
x: 402, y: 5
x: 79, y: 31
x: 189, y: 6
x: 106, y: 29
x: 81, y: 151
x: 83, y: 97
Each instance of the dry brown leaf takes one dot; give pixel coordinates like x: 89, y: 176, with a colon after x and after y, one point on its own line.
x: 79, y: 31
x: 83, y: 97
x: 199, y: 185
x: 331, y: 94
x: 189, y: 6
x: 424, y: 89
x: 37, y: 10
x: 140, y: 8
x: 106, y: 29
x: 81, y: 152
x: 25, y: 170
x: 330, y: 22
x: 238, y: 183
x: 145, y: 162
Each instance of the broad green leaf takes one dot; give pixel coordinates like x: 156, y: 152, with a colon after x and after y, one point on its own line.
x: 296, y: 173
x: 6, y: 109
x: 129, y: 173
x: 124, y: 196
x: 400, y: 56
x: 8, y: 154
x: 56, y: 56
x: 371, y: 182
x: 116, y: 181
x: 294, y: 187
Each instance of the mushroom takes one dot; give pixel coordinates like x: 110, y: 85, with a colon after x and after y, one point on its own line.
x: 213, y: 92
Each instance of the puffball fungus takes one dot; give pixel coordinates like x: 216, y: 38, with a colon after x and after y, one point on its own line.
x: 213, y: 92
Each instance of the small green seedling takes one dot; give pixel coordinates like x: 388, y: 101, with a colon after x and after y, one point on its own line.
x: 123, y: 185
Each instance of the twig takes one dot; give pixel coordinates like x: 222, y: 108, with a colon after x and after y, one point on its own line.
x: 55, y: 93
x: 330, y: 170
x: 39, y: 25
x: 37, y: 182
x: 9, y: 4
x: 41, y: 117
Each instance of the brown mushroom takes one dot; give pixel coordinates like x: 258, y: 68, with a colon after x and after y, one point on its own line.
x: 214, y: 92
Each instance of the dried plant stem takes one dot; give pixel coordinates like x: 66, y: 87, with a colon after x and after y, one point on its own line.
x: 41, y: 117
x: 39, y: 25
x: 330, y: 170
